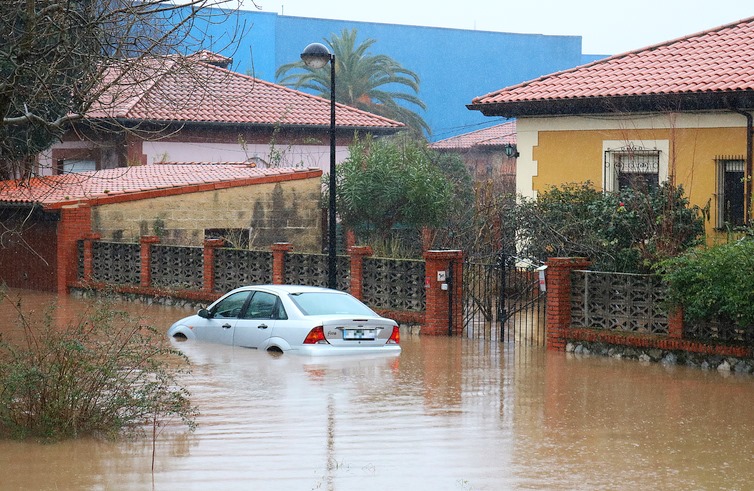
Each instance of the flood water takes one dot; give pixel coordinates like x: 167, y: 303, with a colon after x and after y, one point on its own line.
x: 447, y: 414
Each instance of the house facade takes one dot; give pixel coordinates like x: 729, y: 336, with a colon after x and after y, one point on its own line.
x: 678, y: 111
x: 193, y: 109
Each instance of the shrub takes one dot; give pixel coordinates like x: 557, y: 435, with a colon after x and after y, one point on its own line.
x: 103, y: 374
x: 628, y: 231
x: 714, y: 284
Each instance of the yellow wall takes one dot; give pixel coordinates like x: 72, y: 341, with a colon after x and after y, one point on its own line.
x: 562, y: 155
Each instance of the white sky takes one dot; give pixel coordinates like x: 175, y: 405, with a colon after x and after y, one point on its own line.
x: 606, y: 26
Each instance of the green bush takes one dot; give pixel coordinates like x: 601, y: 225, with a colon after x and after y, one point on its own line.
x: 104, y: 374
x: 714, y: 284
x: 628, y: 231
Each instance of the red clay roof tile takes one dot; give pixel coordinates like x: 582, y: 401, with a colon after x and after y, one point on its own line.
x: 494, y: 136
x: 54, y: 191
x: 186, y: 90
x: 717, y: 60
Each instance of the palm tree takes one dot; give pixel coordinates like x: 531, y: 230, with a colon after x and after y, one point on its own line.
x: 362, y: 80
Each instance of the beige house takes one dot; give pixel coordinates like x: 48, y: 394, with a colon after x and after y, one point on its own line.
x: 680, y: 110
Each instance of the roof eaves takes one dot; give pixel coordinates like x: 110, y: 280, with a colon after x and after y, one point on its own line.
x: 695, y: 101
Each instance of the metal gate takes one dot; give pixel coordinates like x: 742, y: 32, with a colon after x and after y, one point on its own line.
x: 503, y: 300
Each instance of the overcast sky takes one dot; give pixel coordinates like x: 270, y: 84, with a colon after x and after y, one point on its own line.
x: 606, y: 26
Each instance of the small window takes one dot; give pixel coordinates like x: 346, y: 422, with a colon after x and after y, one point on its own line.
x: 730, y: 191
x: 73, y: 166
x: 633, y: 168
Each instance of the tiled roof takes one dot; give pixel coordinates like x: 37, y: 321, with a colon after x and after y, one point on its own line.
x: 186, y: 90
x: 717, y: 61
x: 139, y: 182
x: 494, y: 136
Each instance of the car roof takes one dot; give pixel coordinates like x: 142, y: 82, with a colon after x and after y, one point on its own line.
x: 291, y: 288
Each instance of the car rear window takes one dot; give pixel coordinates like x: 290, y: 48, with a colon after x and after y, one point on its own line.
x: 324, y: 303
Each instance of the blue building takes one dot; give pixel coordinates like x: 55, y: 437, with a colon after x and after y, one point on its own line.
x: 455, y: 65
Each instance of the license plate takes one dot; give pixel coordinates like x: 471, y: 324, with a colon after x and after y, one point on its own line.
x: 367, y: 334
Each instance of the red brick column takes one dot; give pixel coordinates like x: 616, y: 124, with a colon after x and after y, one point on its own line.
x: 89, y: 256
x: 146, y: 241
x: 75, y: 224
x: 427, y: 236
x: 675, y: 324
x: 559, y: 298
x: 279, y: 250
x: 358, y: 253
x: 208, y: 271
x: 437, y: 318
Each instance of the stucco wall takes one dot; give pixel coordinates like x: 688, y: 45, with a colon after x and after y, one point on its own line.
x: 276, y: 212
x: 571, y: 149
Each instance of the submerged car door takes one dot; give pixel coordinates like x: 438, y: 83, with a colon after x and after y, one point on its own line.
x: 224, y: 315
x: 257, y: 321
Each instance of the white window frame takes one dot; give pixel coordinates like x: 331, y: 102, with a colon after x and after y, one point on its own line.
x: 73, y: 166
x: 612, y: 148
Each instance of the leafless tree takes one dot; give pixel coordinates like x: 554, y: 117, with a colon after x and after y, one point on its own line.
x: 60, y: 59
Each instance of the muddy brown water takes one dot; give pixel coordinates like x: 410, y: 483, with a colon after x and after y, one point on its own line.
x: 447, y: 414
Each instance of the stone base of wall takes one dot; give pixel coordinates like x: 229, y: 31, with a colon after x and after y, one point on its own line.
x: 667, y: 357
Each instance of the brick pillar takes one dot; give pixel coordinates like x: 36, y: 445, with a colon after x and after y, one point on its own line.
x: 146, y: 242
x: 438, y: 318
x: 350, y: 238
x: 89, y: 256
x: 559, y: 298
x: 208, y: 271
x: 279, y: 251
x: 675, y: 324
x: 75, y: 224
x: 427, y: 236
x: 358, y: 253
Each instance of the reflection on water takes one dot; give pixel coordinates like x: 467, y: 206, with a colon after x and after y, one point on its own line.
x: 447, y: 414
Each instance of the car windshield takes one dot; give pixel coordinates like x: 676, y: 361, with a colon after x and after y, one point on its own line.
x: 323, y: 303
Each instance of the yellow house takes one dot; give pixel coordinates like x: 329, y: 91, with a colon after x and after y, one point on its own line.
x: 678, y: 111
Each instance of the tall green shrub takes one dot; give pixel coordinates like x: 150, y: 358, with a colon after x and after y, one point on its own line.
x: 103, y: 374
x: 627, y: 231
x: 714, y: 284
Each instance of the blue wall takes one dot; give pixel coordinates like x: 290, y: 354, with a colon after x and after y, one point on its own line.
x: 454, y: 65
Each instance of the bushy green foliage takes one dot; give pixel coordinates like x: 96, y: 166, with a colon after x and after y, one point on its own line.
x: 384, y: 183
x: 715, y: 283
x: 628, y: 231
x: 102, y: 375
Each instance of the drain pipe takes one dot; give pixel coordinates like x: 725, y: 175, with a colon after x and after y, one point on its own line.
x: 748, y: 174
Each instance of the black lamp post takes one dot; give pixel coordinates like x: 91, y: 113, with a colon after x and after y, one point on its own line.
x: 316, y: 55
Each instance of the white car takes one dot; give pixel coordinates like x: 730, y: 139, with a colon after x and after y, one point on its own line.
x: 286, y: 318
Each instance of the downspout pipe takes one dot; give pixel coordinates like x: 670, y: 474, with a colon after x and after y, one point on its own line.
x: 748, y: 174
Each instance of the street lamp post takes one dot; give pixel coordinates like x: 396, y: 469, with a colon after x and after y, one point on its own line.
x: 316, y: 55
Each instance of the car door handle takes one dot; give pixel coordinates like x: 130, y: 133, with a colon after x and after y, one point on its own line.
x: 262, y: 326
x: 226, y: 326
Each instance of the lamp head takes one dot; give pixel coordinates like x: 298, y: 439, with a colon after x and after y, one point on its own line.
x: 316, y: 55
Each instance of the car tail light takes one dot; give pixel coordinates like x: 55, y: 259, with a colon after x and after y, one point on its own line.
x: 316, y: 336
x: 395, y: 338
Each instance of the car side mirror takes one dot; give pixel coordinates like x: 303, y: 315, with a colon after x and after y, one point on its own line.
x: 204, y: 313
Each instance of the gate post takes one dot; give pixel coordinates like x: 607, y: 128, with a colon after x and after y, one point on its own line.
x: 559, y: 298
x: 358, y: 253
x: 444, y: 305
